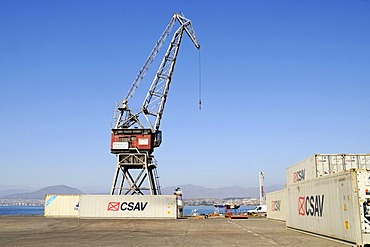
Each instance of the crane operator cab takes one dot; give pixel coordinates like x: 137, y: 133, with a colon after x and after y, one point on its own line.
x: 122, y: 140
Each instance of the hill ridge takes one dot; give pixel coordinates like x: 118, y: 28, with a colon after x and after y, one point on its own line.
x: 40, y: 194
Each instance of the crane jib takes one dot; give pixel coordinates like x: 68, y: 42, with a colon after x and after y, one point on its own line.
x: 150, y: 114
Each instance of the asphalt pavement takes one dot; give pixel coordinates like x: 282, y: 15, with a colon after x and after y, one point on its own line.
x: 39, y: 231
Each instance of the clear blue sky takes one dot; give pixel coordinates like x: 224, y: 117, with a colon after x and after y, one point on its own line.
x: 281, y: 80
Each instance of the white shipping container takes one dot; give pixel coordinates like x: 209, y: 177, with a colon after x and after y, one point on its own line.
x: 64, y: 206
x: 275, y: 202
x: 336, y: 206
x: 301, y: 171
x: 128, y: 206
x: 319, y: 165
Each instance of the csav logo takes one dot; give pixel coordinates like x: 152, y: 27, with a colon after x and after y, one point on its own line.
x: 311, y: 205
x: 113, y: 206
x: 127, y: 206
x: 299, y: 176
x: 275, y: 205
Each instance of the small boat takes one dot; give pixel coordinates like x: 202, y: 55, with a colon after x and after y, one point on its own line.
x: 232, y: 206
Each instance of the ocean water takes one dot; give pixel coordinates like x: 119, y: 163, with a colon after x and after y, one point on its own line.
x: 188, y: 210
x: 21, y: 210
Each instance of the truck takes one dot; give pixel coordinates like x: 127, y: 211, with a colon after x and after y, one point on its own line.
x: 260, y: 209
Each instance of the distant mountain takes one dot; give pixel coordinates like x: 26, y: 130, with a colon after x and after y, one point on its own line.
x: 6, y: 189
x: 40, y: 194
x: 96, y: 190
x: 15, y: 187
x: 196, y: 192
x: 189, y: 192
x: 12, y: 191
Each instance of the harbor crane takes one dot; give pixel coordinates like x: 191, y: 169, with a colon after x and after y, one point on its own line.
x: 135, y: 134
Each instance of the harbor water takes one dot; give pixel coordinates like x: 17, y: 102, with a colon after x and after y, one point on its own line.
x: 22, y: 210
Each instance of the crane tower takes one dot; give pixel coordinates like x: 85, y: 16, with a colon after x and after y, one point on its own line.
x: 136, y: 133
x: 262, y: 188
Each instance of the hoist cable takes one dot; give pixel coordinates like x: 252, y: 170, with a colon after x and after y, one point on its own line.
x: 200, y: 83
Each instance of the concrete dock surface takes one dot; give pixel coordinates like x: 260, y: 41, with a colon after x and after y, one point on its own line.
x: 39, y: 231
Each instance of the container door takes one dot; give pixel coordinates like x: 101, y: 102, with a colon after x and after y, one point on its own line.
x: 336, y: 163
x: 350, y: 161
x: 322, y: 162
x: 364, y: 161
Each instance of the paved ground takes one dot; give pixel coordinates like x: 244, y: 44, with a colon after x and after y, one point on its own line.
x: 38, y: 231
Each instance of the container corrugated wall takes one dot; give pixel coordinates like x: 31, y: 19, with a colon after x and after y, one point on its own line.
x: 331, y: 205
x: 275, y: 202
x: 301, y: 171
x: 64, y: 206
x: 128, y: 206
x: 319, y: 165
